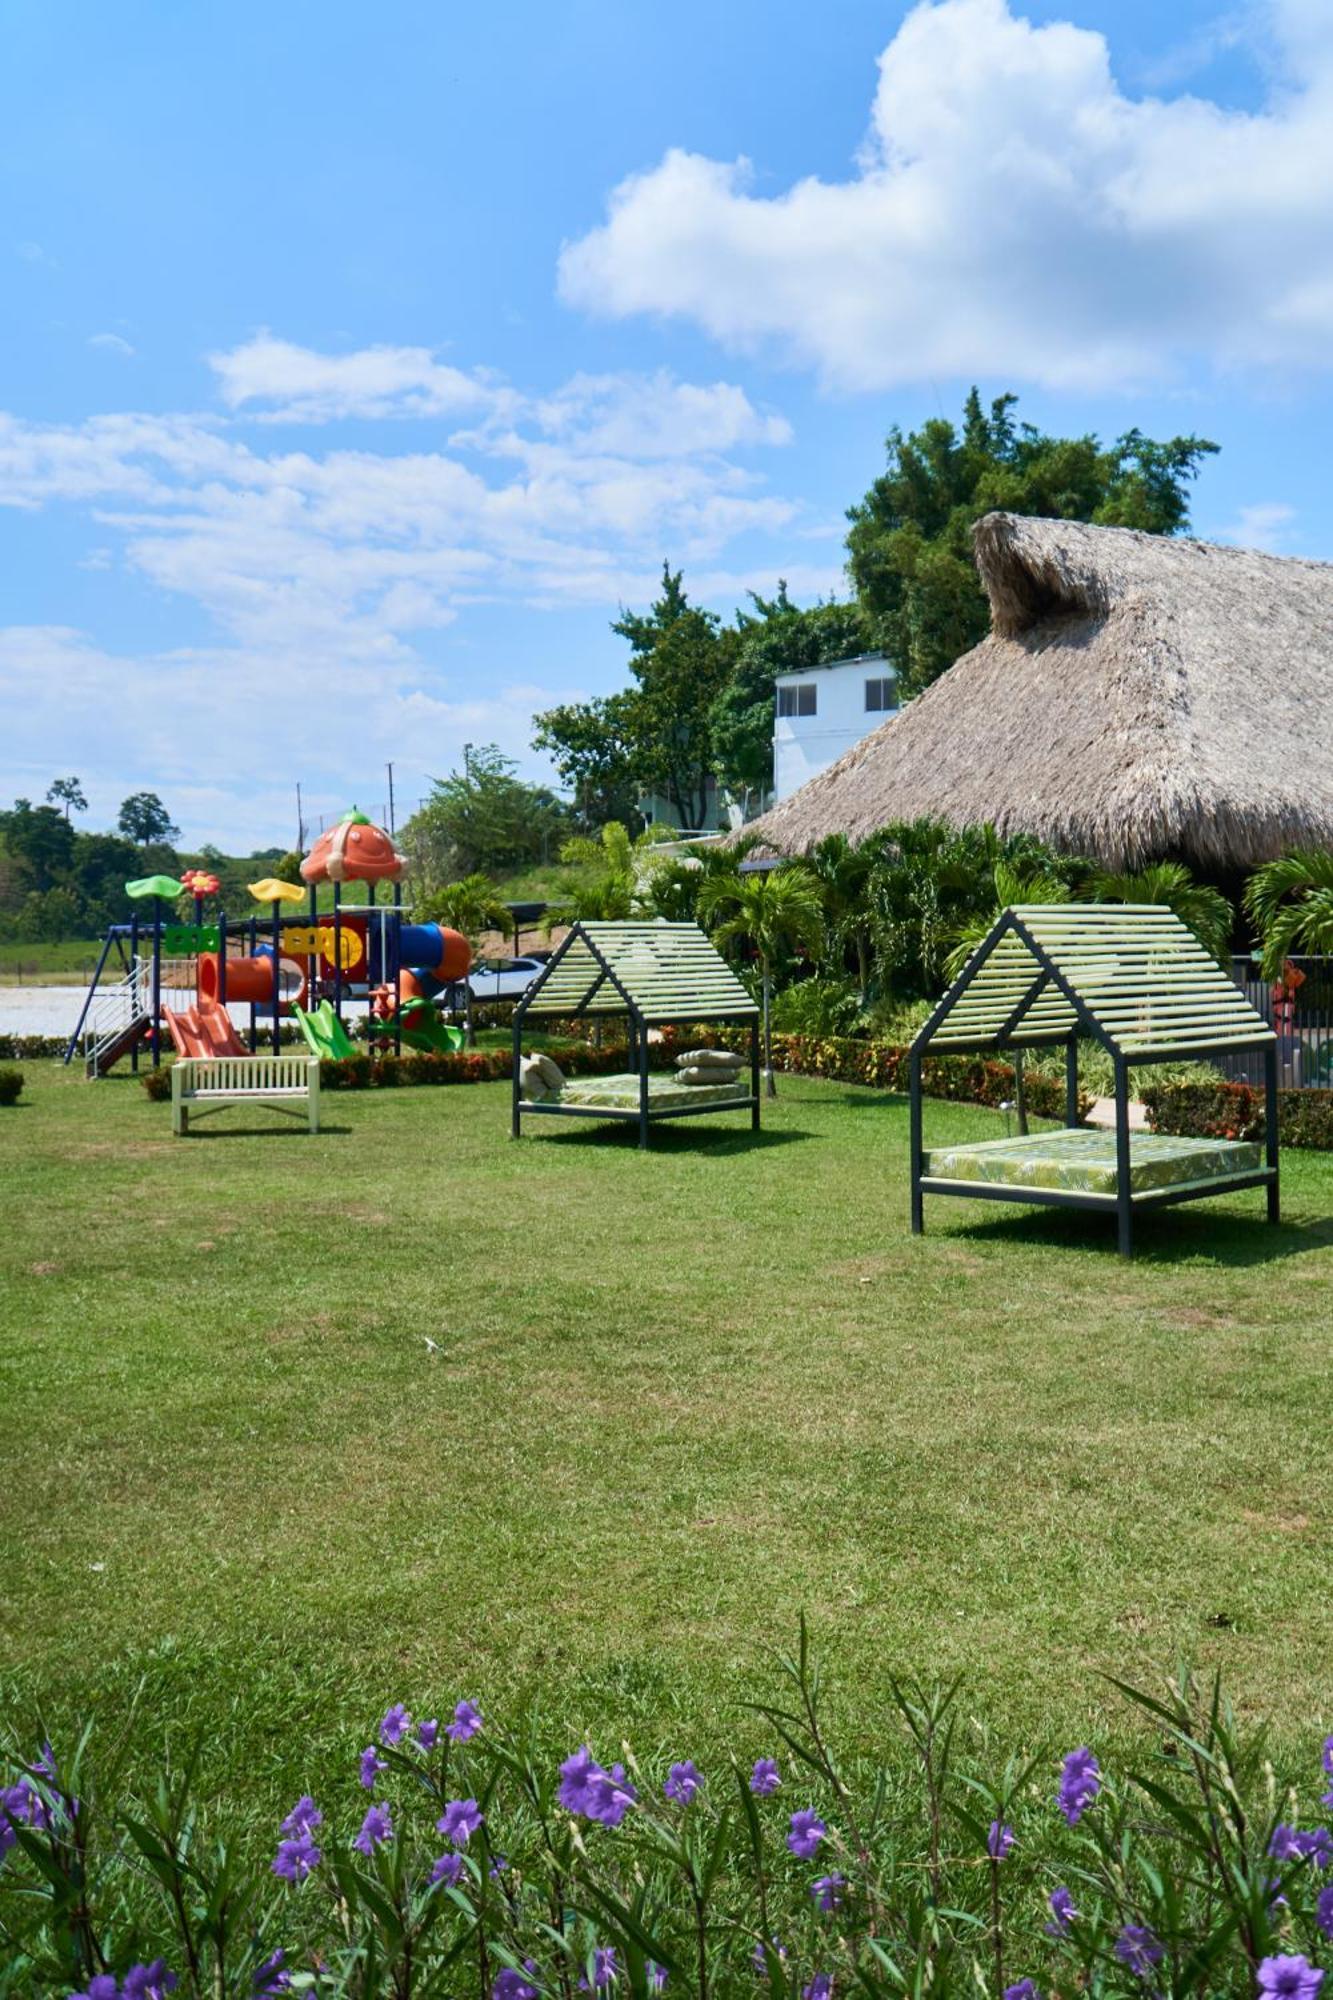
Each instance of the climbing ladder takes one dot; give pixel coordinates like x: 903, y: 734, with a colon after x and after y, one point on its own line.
x: 117, y: 1018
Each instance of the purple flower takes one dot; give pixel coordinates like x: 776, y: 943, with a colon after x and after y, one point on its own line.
x: 820, y: 1987
x: 1025, y: 1990
x: 657, y: 1976
x: 597, y: 1794
x: 604, y: 1968
x: 45, y: 1765
x: 1323, y: 1911
x: 304, y: 1816
x: 449, y: 1868
x: 807, y: 1830
x: 1317, y: 1846
x: 759, y: 1957
x: 101, y: 1987
x: 428, y: 1734
x: 295, y: 1858
x: 827, y: 1891
x: 394, y: 1724
x: 272, y: 1977
x: 1328, y: 1756
x: 499, y: 1863
x: 466, y: 1723
x: 460, y: 1821
x: 371, y: 1766
x: 682, y: 1782
x: 765, y: 1777
x: 148, y: 1982
x: 376, y: 1828
x: 25, y: 1806
x: 1292, y: 1977
x: 1080, y: 1782
x: 1062, y: 1913
x: 1284, y: 1846
x: 512, y: 1985
x: 999, y: 1840
x: 1137, y: 1948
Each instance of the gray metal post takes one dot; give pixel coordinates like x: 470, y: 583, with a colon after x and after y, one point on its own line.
x: 1124, y: 1212
x: 1271, y: 1130
x: 914, y: 1143
x: 643, y: 1087
x: 754, y: 1073
x: 1071, y: 1081
x: 518, y: 1051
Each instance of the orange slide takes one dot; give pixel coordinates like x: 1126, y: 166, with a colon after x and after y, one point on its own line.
x: 203, y: 1031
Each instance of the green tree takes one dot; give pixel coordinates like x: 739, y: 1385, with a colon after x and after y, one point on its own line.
x: 842, y: 874
x: 42, y: 840
x: 67, y: 792
x: 681, y: 661
x: 482, y: 818
x: 145, y: 820
x: 470, y: 906
x: 771, y: 913
x: 910, y: 543
x: 1291, y: 902
x: 593, y: 746
x: 777, y: 638
x: 1201, y: 908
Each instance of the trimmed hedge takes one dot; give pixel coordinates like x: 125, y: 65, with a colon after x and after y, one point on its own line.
x: 1236, y: 1111
x: 32, y: 1048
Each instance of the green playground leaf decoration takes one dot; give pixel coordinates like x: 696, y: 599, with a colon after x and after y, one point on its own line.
x: 154, y: 885
x: 355, y: 818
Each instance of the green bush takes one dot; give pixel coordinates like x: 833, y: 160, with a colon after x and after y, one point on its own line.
x: 1220, y: 1110
x: 157, y: 1082
x: 817, y: 1007
x: 11, y: 1083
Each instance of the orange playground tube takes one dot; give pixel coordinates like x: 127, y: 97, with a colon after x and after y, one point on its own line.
x: 248, y: 979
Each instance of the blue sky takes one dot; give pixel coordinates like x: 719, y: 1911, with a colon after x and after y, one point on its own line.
x: 357, y: 366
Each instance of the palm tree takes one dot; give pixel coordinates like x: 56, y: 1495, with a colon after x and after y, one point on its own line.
x: 1011, y: 886
x: 1291, y: 901
x: 771, y: 912
x: 469, y: 905
x: 1202, y: 909
x: 842, y: 873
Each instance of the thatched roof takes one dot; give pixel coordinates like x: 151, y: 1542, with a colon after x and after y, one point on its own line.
x: 1137, y: 696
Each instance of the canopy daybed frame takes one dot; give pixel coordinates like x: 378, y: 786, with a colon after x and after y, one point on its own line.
x: 656, y: 974
x: 1135, y: 979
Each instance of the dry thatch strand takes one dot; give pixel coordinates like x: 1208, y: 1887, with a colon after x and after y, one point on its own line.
x: 1138, y: 696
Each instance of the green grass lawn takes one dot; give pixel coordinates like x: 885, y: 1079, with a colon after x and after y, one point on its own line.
x: 672, y: 1398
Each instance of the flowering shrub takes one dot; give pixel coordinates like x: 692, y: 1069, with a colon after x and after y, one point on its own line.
x: 487, y: 1861
x: 1218, y: 1110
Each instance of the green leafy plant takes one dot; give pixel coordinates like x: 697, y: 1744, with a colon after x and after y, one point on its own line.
x: 1291, y: 901
x: 768, y: 913
x: 11, y: 1083
x: 1201, y: 908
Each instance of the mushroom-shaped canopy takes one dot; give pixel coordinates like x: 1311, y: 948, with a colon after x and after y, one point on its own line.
x: 153, y: 885
x: 356, y: 850
x: 272, y: 890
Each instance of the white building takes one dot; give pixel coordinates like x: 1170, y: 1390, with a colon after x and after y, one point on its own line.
x: 823, y: 711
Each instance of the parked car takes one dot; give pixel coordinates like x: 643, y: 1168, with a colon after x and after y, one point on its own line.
x: 502, y: 978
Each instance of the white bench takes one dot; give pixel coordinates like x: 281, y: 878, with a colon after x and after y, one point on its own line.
x: 215, y: 1081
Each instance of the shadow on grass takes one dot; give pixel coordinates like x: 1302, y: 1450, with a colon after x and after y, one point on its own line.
x: 1161, y: 1239
x: 265, y: 1132
x: 671, y: 1138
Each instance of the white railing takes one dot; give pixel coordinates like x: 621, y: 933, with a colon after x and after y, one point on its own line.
x: 113, y: 1010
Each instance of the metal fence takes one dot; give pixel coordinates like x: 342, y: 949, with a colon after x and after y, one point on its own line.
x: 1303, y: 1018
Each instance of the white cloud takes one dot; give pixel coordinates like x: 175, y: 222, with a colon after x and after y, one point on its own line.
x: 328, y: 574
x: 1014, y: 213
x: 1265, y: 525
x: 111, y: 343
x: 298, y: 385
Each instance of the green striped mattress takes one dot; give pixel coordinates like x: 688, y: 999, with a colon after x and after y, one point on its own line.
x: 1085, y: 1161
x: 665, y: 1093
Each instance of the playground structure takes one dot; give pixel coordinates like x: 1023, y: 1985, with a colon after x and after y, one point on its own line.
x: 183, y: 979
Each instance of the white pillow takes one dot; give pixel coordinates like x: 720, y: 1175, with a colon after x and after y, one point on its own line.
x: 710, y: 1059
x: 708, y: 1073
x: 532, y: 1085
x: 551, y: 1073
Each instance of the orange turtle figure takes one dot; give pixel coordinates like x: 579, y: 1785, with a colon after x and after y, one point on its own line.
x: 356, y: 850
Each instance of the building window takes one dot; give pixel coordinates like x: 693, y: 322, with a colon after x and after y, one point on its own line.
x: 800, y: 700
x: 879, y: 696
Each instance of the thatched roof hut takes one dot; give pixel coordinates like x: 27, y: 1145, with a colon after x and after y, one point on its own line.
x: 1137, y: 697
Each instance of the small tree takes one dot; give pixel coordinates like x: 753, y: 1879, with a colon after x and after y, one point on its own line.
x: 67, y: 792
x: 1291, y: 901
x: 145, y: 820
x: 469, y: 905
x: 772, y: 913
x: 1201, y: 908
x: 842, y: 873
